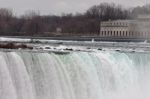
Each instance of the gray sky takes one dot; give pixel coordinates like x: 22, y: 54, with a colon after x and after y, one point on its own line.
x: 60, y: 6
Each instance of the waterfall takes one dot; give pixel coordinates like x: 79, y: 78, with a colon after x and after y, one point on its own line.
x: 74, y: 75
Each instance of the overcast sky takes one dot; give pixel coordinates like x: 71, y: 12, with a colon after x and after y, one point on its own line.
x: 61, y: 6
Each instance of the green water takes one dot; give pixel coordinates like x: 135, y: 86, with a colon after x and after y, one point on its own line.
x: 77, y: 75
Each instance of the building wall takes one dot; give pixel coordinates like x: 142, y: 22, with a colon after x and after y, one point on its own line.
x: 125, y: 28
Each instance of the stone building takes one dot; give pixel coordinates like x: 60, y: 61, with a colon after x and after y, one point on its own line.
x: 137, y: 28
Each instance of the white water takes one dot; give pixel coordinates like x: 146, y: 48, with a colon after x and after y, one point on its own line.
x: 78, y: 75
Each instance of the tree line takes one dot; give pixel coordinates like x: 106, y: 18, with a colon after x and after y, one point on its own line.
x: 82, y: 24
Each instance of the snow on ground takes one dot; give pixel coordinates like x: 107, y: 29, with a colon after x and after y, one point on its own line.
x: 62, y: 45
x: 5, y: 39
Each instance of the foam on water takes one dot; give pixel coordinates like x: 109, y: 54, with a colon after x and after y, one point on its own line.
x: 76, y: 75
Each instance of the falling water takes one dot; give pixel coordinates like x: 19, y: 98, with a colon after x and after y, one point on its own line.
x: 76, y: 75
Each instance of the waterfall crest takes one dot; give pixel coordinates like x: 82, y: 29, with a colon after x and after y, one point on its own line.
x: 76, y: 75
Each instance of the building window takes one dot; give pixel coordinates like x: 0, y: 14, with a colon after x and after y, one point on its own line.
x: 129, y: 33
x: 101, y: 33
x: 132, y: 34
x: 108, y: 33
x: 120, y: 33
x: 123, y: 33
x: 111, y: 33
x: 126, y: 33
x: 117, y: 33
x: 116, y: 23
x: 120, y: 23
x: 105, y: 33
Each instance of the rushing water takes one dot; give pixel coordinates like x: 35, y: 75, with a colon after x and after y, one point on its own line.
x: 77, y: 75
